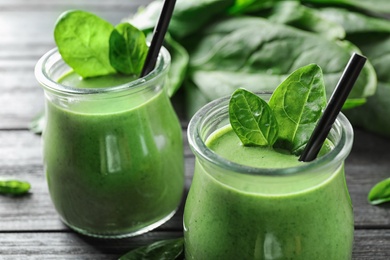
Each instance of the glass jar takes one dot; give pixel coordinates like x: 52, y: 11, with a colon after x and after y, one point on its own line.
x: 113, y: 154
x: 235, y: 211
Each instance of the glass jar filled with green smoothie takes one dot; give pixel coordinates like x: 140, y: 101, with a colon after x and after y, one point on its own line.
x: 113, y: 152
x: 261, y: 202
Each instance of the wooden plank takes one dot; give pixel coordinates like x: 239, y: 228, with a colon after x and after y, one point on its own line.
x: 369, y: 244
x: 367, y: 165
x: 39, y: 5
x: 72, y: 246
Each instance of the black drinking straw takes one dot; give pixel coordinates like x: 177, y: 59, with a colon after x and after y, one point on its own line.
x: 158, y: 36
x: 336, y: 102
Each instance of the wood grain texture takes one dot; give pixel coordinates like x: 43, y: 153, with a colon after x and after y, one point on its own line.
x: 369, y: 244
x: 72, y: 246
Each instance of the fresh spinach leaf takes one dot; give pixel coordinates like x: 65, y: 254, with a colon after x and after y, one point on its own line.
x: 254, y: 50
x: 194, y: 98
x: 372, y: 36
x: 188, y: 17
x: 161, y: 250
x: 191, y: 15
x: 128, y: 49
x: 82, y: 40
x: 380, y: 193
x: 298, y: 103
x: 354, y: 22
x: 179, y: 64
x: 14, y: 187
x: 371, y: 115
x: 379, y: 6
x: 308, y: 19
x: 252, y: 119
x: 245, y: 6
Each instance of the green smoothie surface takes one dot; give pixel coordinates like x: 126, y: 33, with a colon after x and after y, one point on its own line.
x: 226, y: 144
x: 72, y: 79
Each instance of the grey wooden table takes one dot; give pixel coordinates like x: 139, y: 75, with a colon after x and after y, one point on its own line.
x: 29, y: 226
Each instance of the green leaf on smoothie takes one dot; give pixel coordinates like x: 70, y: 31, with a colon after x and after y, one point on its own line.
x: 252, y: 119
x: 82, y: 40
x: 128, y: 49
x: 380, y: 193
x: 298, y: 103
x: 161, y: 250
x: 289, y: 118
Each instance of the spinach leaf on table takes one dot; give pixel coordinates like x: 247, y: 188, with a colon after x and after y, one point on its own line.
x: 82, y: 40
x: 188, y: 17
x: 128, y: 49
x: 298, y: 103
x: 372, y: 36
x: 245, y: 6
x: 179, y: 64
x: 308, y: 19
x: 14, y: 187
x: 380, y: 193
x: 353, y: 22
x: 380, y: 6
x: 258, y: 52
x: 373, y: 115
x: 161, y: 250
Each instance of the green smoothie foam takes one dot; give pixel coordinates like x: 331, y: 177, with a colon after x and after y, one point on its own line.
x: 246, y: 217
x: 116, y: 171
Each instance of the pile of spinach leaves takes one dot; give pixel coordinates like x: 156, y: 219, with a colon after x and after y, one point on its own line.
x: 221, y: 45
x: 218, y: 46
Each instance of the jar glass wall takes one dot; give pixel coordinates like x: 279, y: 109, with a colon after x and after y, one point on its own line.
x: 113, y: 152
x: 235, y: 211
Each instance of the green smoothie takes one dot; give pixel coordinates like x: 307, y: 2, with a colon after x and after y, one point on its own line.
x: 114, y: 166
x: 229, y: 215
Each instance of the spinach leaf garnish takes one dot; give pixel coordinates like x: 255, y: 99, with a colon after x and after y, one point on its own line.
x: 252, y: 119
x: 82, y: 40
x: 93, y: 47
x: 380, y: 193
x: 298, y: 103
x: 289, y: 118
x: 128, y: 49
x: 161, y: 250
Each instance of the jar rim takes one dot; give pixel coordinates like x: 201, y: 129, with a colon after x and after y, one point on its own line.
x: 53, y: 56
x: 338, y: 154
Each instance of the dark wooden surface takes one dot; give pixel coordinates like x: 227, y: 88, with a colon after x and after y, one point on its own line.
x: 29, y: 226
